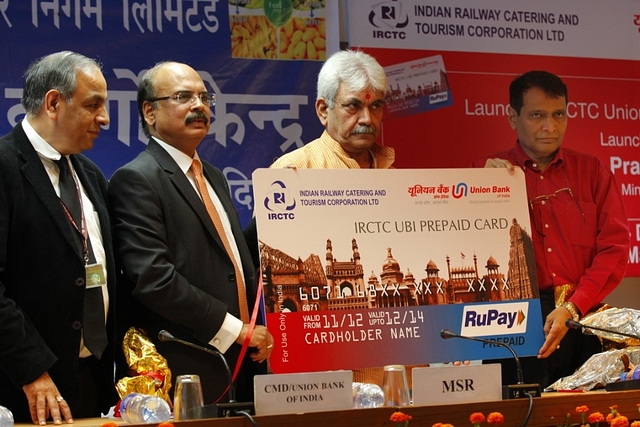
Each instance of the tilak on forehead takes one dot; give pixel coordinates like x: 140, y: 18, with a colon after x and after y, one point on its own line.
x: 368, y: 95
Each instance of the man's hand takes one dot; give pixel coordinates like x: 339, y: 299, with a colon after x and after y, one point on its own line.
x: 261, y: 339
x: 44, y: 399
x: 554, y: 330
x: 500, y: 163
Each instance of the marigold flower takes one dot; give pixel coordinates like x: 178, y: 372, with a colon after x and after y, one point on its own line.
x: 166, y: 424
x: 596, y: 417
x: 399, y: 417
x: 620, y: 421
x: 635, y: 424
x: 109, y: 424
x: 495, y: 418
x: 477, y: 418
x: 437, y: 425
x: 582, y: 409
x: 447, y: 425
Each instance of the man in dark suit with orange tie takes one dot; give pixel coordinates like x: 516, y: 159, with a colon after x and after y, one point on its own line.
x: 179, y: 240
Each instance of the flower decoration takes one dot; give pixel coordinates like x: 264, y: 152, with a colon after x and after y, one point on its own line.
x: 620, y: 421
x: 595, y: 419
x: 476, y: 419
x: 582, y: 410
x: 109, y: 424
x: 495, y: 418
x: 166, y: 424
x: 635, y: 424
x: 401, y: 419
x: 614, y: 414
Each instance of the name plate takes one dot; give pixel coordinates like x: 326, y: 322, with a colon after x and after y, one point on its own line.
x: 305, y: 392
x: 456, y: 384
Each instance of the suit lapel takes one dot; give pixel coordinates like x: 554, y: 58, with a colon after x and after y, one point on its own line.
x: 185, y: 188
x: 35, y: 173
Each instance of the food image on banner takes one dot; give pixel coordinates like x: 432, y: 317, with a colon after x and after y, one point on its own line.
x: 417, y: 86
x: 278, y: 29
x: 364, y: 268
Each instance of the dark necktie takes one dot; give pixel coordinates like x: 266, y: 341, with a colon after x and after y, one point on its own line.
x: 94, y: 332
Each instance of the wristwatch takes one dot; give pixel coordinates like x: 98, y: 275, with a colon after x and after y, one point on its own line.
x: 571, y: 308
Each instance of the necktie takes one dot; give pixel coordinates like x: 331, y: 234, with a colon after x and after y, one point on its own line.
x: 196, y: 168
x: 94, y: 332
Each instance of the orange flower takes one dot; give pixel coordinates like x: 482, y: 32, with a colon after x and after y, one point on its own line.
x: 166, y: 424
x: 635, y: 424
x: 595, y: 418
x: 437, y: 425
x: 582, y: 409
x: 399, y: 417
x: 476, y: 418
x: 109, y: 424
x: 495, y: 418
x: 620, y: 421
x: 447, y: 425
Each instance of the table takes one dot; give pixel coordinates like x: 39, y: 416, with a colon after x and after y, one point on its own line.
x: 548, y: 410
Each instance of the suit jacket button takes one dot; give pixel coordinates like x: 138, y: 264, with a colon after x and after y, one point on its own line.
x: 77, y: 325
x: 232, y: 277
x: 80, y: 281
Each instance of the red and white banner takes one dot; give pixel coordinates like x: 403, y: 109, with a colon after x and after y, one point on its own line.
x: 481, y: 46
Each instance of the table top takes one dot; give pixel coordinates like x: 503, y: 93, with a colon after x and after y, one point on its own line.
x: 551, y: 409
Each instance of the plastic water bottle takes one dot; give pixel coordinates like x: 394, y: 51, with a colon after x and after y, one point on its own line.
x: 6, y: 417
x: 138, y: 408
x: 367, y: 395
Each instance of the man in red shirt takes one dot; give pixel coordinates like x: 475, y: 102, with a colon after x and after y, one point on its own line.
x: 578, y: 222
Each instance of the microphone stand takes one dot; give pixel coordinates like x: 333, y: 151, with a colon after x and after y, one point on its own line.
x: 512, y: 391
x: 216, y: 410
x: 570, y: 323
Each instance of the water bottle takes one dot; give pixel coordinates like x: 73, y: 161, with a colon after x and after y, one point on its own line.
x: 6, y: 417
x: 367, y: 395
x: 138, y: 408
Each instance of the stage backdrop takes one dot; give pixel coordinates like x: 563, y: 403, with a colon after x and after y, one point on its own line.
x: 450, y: 63
x: 260, y: 58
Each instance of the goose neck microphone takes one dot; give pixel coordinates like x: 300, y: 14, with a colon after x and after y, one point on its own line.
x: 165, y: 335
x: 509, y: 391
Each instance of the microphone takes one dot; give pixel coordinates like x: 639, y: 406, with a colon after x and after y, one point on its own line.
x: 165, y: 335
x: 509, y: 391
x: 570, y: 323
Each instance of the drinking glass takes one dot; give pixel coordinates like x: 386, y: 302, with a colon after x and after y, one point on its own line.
x: 187, y: 398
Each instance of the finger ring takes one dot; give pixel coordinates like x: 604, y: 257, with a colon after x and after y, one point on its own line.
x: 270, y: 346
x: 59, y: 399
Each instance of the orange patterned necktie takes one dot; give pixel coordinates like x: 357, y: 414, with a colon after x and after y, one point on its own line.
x: 196, y: 169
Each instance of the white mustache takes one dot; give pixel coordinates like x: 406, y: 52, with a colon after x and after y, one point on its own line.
x: 363, y: 129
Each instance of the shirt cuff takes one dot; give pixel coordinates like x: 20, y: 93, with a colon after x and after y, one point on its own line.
x: 228, y: 333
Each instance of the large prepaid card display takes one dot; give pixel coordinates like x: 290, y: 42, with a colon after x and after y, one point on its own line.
x: 364, y: 268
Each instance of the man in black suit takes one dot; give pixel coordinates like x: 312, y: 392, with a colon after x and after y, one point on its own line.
x: 184, y: 274
x: 52, y: 363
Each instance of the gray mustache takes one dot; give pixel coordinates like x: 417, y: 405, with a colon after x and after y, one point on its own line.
x: 363, y: 129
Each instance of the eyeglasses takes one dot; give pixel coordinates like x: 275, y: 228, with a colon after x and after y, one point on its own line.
x: 542, y: 199
x: 184, y: 97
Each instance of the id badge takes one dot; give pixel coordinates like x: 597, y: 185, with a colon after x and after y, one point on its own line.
x: 94, y: 275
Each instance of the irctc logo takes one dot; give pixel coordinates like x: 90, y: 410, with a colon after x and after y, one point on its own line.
x: 280, y: 202
x: 389, y: 15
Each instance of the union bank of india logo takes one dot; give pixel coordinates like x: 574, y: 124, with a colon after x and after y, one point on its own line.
x: 279, y: 202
